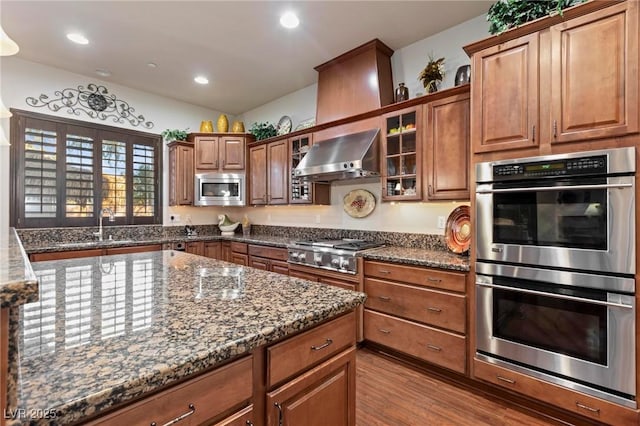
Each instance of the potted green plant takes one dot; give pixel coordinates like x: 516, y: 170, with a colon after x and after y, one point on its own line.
x: 506, y: 14
x: 263, y: 130
x: 432, y: 74
x: 170, y: 135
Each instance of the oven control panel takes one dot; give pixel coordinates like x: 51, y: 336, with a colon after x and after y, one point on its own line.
x: 595, y: 165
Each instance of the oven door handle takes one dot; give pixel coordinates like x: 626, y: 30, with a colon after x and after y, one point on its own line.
x: 555, y: 296
x: 555, y: 188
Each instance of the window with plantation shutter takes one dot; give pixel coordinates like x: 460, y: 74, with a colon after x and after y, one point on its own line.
x: 40, y: 176
x: 64, y: 172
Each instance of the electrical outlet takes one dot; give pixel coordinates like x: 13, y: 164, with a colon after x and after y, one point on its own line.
x: 317, y: 218
x: 442, y: 221
x: 175, y: 218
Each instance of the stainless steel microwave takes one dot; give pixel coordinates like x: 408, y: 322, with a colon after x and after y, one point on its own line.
x: 219, y: 189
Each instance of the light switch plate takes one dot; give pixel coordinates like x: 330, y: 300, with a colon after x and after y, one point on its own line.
x: 442, y: 221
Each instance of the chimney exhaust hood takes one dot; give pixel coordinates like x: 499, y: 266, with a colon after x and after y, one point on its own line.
x: 345, y: 157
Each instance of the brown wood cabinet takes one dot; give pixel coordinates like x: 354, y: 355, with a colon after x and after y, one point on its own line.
x: 181, y: 173
x: 244, y: 417
x: 219, y: 152
x: 269, y: 176
x: 206, y: 397
x: 272, y: 259
x: 401, y: 165
x: 213, y: 249
x: 591, y: 98
x: 74, y: 254
x: 195, y: 247
x: 323, y: 396
x: 225, y: 249
x: 572, y: 401
x: 447, y: 139
x: 505, y: 95
x: 315, y: 376
x: 552, y: 86
x: 419, y: 311
x: 302, y: 191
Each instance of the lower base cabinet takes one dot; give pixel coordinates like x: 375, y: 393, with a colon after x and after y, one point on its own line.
x: 74, y: 254
x: 323, y: 396
x: 243, y: 417
x: 268, y: 259
x: 575, y: 402
x: 231, y: 385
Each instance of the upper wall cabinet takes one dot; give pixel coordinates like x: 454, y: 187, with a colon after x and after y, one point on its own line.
x: 181, y: 173
x: 594, y: 75
x: 268, y: 180
x: 570, y: 81
x: 401, y: 155
x: 505, y: 95
x: 447, y: 148
x: 219, y: 152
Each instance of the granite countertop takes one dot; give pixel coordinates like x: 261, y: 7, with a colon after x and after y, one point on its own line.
x: 108, y: 329
x: 420, y: 257
x: 18, y: 283
x: 49, y: 246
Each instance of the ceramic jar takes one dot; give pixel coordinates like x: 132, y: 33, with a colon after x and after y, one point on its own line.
x: 223, y: 124
x: 237, y: 127
x: 206, y: 126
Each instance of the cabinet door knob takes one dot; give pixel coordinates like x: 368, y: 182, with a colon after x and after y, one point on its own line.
x: 434, y: 348
x: 432, y: 309
x: 555, y: 129
x: 279, y: 407
x: 434, y: 280
x: 504, y: 379
x: 533, y: 135
x: 322, y: 346
x: 384, y: 298
x: 382, y: 330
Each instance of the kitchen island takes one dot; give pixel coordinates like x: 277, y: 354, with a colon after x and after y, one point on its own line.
x: 107, y: 331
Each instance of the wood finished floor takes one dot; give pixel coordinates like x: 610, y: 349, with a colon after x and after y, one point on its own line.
x: 389, y: 393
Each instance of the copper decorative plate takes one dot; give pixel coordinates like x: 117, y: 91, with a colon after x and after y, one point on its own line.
x: 359, y: 203
x: 458, y: 230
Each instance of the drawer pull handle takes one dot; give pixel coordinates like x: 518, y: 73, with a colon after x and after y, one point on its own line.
x: 382, y: 330
x: 504, y: 379
x: 584, y: 407
x: 432, y: 309
x: 322, y: 346
x: 434, y: 348
x: 384, y: 271
x: 384, y: 298
x: 434, y: 280
x: 279, y: 407
x: 192, y: 409
x: 249, y: 423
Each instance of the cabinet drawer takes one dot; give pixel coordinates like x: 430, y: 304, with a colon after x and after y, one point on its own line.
x: 436, y: 346
x: 446, y: 310
x: 243, y: 417
x: 576, y: 402
x: 415, y: 275
x: 307, y: 349
x: 239, y: 247
x: 268, y: 252
x: 134, y: 249
x: 206, y: 396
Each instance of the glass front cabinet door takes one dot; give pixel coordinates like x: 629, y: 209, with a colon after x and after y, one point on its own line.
x: 402, y: 155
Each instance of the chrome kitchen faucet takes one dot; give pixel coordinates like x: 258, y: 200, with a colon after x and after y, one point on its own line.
x: 112, y: 218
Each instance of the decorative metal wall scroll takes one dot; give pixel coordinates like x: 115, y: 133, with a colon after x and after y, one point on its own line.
x: 95, y: 101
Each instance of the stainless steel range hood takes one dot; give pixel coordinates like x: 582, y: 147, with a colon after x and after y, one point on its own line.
x: 345, y: 157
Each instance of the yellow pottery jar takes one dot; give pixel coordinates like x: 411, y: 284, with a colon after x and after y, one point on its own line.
x: 237, y: 127
x: 206, y: 126
x: 223, y: 124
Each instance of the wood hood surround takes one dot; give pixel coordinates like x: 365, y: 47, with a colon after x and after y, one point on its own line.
x: 357, y: 81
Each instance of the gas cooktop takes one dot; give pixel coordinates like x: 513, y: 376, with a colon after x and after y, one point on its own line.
x: 332, y: 254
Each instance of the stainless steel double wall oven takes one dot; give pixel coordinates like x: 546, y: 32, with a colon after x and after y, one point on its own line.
x: 555, y: 287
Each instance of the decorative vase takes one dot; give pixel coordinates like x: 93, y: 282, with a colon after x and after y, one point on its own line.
x: 223, y: 124
x: 206, y: 126
x: 432, y: 86
x: 402, y: 93
x: 463, y: 75
x: 237, y: 127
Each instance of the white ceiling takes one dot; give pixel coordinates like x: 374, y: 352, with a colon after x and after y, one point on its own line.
x: 239, y: 45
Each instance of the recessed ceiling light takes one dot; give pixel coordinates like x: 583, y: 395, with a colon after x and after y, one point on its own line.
x: 103, y: 73
x: 289, y: 20
x: 201, y: 80
x: 152, y: 65
x: 77, y: 38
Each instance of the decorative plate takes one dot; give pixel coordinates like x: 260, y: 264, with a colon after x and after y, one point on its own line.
x: 284, y: 125
x: 458, y: 230
x: 359, y: 203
